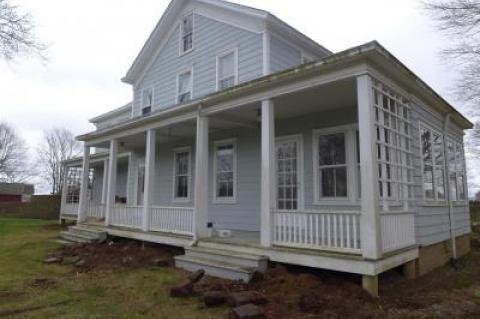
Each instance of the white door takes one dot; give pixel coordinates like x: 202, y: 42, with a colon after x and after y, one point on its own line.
x: 289, y: 172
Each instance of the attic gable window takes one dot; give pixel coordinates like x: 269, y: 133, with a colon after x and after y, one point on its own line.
x: 187, y: 34
x: 147, y: 101
x: 227, y: 70
x: 184, y: 87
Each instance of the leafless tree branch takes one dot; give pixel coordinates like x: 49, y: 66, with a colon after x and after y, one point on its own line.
x: 14, y: 166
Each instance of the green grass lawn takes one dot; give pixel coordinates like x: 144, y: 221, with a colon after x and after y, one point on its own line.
x: 133, y: 293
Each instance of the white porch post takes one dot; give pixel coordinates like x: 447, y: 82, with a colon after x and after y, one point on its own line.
x: 201, y: 178
x: 112, y: 181
x: 268, y: 172
x: 370, y: 230
x: 63, y: 202
x: 105, y: 182
x: 83, y: 205
x: 149, y: 178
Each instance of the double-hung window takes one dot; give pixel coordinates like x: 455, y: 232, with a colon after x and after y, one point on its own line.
x: 184, y: 87
x: 456, y: 170
x: 187, y: 34
x: 225, y: 167
x: 182, y: 163
x: 73, y: 185
x: 227, y: 70
x: 332, y: 166
x: 147, y: 100
x: 433, y: 161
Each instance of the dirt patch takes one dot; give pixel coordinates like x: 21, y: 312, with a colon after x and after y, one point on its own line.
x: 44, y: 283
x: 116, y: 254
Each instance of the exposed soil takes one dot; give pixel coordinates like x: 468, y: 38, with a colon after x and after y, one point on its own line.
x: 296, y: 292
x: 116, y: 254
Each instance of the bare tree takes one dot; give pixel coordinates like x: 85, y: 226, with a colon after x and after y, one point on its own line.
x: 59, y: 144
x: 460, y: 21
x: 17, y: 35
x: 13, y: 156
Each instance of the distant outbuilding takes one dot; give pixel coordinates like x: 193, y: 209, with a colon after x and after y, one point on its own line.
x: 16, y: 192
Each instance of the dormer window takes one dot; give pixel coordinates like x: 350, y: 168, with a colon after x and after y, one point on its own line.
x: 184, y: 87
x: 187, y: 34
x: 147, y: 101
x: 227, y: 70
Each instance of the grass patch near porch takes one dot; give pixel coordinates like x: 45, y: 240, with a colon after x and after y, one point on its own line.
x: 37, y: 290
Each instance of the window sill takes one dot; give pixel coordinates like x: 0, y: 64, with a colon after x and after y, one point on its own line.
x: 186, y: 52
x: 226, y: 201
x: 336, y: 202
x: 435, y: 204
x: 181, y: 200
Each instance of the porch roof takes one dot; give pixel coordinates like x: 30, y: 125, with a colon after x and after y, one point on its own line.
x: 371, y: 53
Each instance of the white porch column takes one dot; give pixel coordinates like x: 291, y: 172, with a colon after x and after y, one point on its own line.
x: 83, y: 205
x: 370, y: 219
x: 268, y: 172
x: 149, y: 178
x: 112, y: 181
x: 105, y: 182
x: 201, y: 178
x: 63, y: 201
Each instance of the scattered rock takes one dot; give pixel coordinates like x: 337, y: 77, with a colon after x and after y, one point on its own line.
x: 80, y: 263
x: 52, y: 260
x: 160, y: 262
x: 183, y: 290
x: 215, y: 298
x: 248, y: 311
x: 246, y: 297
x: 70, y: 260
x: 196, y: 276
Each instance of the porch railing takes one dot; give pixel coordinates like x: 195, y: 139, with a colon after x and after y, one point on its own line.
x: 70, y: 209
x: 398, y: 230
x: 95, y: 210
x: 178, y: 220
x: 127, y: 216
x: 322, y: 230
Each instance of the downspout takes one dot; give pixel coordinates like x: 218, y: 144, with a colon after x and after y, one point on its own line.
x: 447, y: 187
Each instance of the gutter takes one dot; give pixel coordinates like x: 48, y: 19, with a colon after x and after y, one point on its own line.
x: 451, y: 217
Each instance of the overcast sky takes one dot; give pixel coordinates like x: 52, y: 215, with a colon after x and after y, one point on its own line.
x: 93, y: 43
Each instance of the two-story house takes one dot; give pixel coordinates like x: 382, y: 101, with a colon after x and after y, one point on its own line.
x: 247, y: 141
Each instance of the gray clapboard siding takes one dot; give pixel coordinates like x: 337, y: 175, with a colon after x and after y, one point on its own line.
x: 283, y: 55
x: 211, y: 37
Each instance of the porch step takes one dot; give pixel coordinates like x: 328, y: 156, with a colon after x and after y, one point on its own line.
x: 82, y: 234
x: 221, y: 263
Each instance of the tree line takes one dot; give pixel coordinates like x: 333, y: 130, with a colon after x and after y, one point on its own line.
x: 57, y: 145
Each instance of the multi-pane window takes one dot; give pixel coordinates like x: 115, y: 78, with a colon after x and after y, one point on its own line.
x: 332, y: 165
x: 394, y: 144
x: 147, y: 101
x: 182, y: 174
x: 141, y: 184
x: 187, y: 34
x: 433, y: 161
x: 226, y: 68
x: 225, y: 171
x: 74, y: 176
x: 288, y: 174
x: 456, y: 170
x: 184, y: 93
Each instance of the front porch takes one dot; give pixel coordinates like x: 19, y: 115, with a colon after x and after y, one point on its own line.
x: 324, y: 170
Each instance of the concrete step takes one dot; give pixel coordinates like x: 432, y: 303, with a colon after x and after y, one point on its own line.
x: 76, y: 238
x: 259, y: 263
x: 95, y: 234
x: 215, y: 268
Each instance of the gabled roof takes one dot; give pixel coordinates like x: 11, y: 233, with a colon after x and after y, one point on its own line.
x: 170, y: 17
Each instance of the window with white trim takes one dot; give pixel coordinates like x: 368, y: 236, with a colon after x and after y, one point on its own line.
x: 182, y: 162
x: 184, y: 90
x: 187, y: 34
x: 289, y: 173
x: 147, y: 100
x: 332, y: 165
x: 227, y: 70
x: 225, y: 171
x: 74, y: 178
x: 456, y: 170
x: 433, y: 163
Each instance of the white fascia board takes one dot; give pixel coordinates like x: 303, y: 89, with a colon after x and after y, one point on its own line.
x: 105, y: 116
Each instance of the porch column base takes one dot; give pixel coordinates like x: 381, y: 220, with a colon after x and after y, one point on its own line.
x: 410, y: 269
x: 370, y: 284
